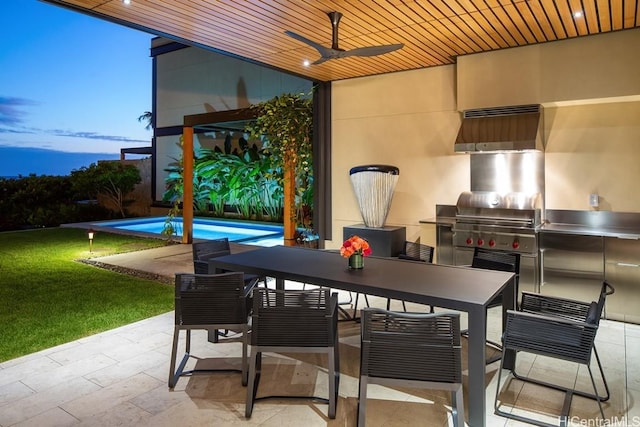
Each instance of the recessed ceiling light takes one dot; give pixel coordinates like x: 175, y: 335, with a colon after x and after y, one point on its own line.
x: 306, y: 62
x: 127, y: 2
x: 578, y: 14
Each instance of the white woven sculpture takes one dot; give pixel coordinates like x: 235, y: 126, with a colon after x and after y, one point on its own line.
x: 373, y: 186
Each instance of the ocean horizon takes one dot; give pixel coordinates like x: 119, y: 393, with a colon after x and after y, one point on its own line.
x: 24, y: 161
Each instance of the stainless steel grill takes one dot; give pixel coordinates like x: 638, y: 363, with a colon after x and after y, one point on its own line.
x: 507, y: 222
x: 502, y: 211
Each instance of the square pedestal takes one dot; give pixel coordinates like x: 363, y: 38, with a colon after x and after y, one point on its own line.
x: 384, y: 241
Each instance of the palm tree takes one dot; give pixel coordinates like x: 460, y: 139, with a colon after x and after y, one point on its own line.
x: 147, y: 117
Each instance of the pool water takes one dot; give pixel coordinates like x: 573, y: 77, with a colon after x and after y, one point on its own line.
x: 236, y: 231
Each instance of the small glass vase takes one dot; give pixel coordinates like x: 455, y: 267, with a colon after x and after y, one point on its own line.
x: 356, y: 262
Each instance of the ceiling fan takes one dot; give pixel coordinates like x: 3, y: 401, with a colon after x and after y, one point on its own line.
x: 335, y: 52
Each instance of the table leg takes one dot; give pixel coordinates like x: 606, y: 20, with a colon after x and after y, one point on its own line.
x: 476, y: 363
x: 509, y: 299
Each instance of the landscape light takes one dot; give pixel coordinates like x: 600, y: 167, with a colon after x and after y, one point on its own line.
x: 90, y: 234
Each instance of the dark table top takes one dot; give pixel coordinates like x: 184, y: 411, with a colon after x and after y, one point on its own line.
x: 451, y: 287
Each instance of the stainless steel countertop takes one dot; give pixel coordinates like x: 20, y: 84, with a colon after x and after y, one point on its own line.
x: 623, y: 225
x: 578, y: 229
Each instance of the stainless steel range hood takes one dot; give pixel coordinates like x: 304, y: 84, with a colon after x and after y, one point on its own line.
x: 511, y: 128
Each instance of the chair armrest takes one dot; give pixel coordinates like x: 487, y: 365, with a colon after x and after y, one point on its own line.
x: 608, y: 289
x: 553, y: 298
x: 542, y: 317
x: 555, y: 306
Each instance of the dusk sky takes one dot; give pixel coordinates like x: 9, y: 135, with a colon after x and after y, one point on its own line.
x: 68, y: 83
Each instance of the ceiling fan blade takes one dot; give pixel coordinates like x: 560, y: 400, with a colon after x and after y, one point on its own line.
x: 335, y: 52
x: 372, y: 50
x: 324, y: 51
x: 322, y: 59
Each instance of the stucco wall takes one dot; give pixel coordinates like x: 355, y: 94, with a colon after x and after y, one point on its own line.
x: 581, y: 69
x: 408, y: 120
x: 593, y: 148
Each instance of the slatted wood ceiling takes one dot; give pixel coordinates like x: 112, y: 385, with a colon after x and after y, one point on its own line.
x: 434, y: 32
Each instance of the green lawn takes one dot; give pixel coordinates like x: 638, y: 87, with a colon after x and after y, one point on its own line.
x: 48, y: 298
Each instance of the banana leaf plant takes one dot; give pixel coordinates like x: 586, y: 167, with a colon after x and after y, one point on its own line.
x: 242, y: 179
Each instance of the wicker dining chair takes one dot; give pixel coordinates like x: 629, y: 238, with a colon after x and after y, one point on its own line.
x: 498, y: 261
x: 556, y: 328
x: 413, y: 251
x: 209, y: 302
x: 205, y: 251
x: 302, y: 321
x: 411, y: 350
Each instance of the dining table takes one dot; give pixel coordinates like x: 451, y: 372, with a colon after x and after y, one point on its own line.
x: 456, y: 288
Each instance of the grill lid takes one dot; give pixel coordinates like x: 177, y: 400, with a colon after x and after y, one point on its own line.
x: 514, y: 209
x: 470, y: 200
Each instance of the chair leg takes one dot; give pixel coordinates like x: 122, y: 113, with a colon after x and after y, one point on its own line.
x: 604, y: 380
x: 263, y: 280
x: 355, y: 305
x: 569, y: 393
x: 333, y: 380
x: 245, y: 363
x: 595, y: 396
x: 595, y: 392
x: 457, y: 407
x: 174, y: 353
x: 336, y: 363
x: 362, y: 400
x: 255, y: 366
x: 175, y: 373
x: 187, y: 348
x: 513, y: 416
x: 214, y: 335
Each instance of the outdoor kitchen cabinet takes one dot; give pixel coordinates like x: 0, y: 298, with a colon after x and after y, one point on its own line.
x: 571, y: 265
x: 622, y: 271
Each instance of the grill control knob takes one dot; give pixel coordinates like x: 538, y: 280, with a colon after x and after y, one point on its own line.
x: 480, y: 242
x: 515, y: 244
x: 492, y: 243
x: 469, y: 241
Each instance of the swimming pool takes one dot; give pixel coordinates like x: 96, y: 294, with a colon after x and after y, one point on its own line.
x: 252, y: 233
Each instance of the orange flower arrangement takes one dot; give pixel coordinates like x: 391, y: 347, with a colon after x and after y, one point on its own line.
x: 355, y: 245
